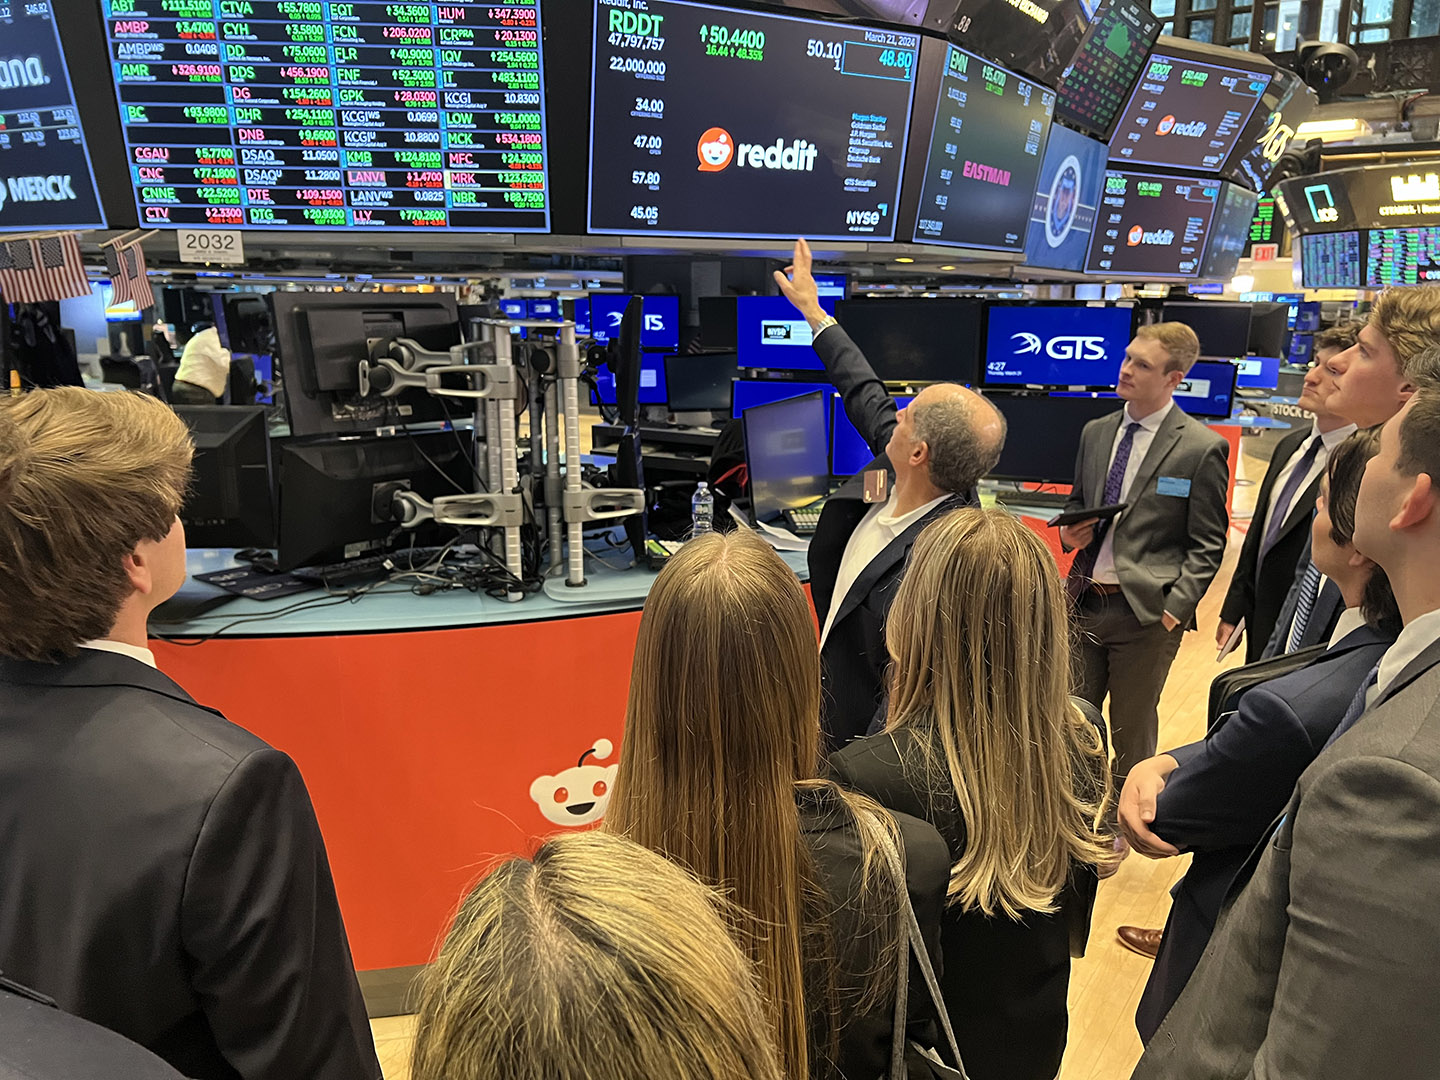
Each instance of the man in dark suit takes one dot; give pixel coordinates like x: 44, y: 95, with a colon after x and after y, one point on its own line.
x: 1137, y: 579
x: 164, y: 873
x: 1326, y: 957
x: 928, y: 459
x: 1280, y: 527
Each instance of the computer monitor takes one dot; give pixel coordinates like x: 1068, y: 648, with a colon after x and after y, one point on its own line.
x: 653, y: 389
x: 787, y: 454
x: 1043, y: 436
x: 661, y: 329
x: 1030, y: 344
x: 1208, y: 389
x: 327, y: 492
x: 231, y: 500
x: 849, y: 452
x: 916, y: 340
x: 543, y: 308
x: 1269, y: 325
x: 832, y: 286
x: 579, y: 313
x: 514, y: 309
x: 770, y: 333
x: 700, y: 383
x: 745, y: 394
x: 1259, y: 372
x: 717, y: 322
x: 1223, y: 328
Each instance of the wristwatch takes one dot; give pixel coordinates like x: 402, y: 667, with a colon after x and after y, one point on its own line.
x: 825, y: 324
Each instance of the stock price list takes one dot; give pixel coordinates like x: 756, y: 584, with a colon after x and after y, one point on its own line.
x: 315, y: 114
x: 1402, y: 256
x: 707, y: 121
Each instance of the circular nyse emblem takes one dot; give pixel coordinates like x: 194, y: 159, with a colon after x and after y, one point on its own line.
x: 1064, y: 198
x: 1137, y: 234
x: 715, y: 150
x: 1165, y: 126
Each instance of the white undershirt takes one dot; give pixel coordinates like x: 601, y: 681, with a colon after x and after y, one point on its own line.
x: 1104, y: 571
x: 1328, y: 441
x: 872, y: 536
x: 145, y: 656
x: 1418, y: 635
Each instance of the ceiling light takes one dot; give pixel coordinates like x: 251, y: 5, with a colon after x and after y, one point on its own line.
x: 904, y: 259
x: 1242, y: 283
x: 947, y: 268
x: 1332, y: 130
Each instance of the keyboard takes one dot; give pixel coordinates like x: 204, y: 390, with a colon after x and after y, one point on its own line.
x: 367, y: 568
x: 802, y: 522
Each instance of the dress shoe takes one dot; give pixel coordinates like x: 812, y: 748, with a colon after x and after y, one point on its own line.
x: 1137, y: 939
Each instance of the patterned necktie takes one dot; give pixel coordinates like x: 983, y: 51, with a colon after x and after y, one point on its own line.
x: 1280, y: 505
x: 1084, y: 563
x: 1357, y: 705
x: 1304, y: 604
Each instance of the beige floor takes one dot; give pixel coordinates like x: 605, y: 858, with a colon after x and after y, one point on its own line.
x: 1105, y: 986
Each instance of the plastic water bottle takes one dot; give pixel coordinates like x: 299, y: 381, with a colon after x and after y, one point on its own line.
x: 702, y: 510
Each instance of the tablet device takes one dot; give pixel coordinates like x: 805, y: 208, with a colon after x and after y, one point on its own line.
x: 1070, y: 517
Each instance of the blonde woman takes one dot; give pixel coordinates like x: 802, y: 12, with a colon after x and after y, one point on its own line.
x: 596, y: 960
x: 983, y: 740
x: 722, y: 746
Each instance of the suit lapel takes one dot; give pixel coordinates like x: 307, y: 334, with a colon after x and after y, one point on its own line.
x: 1164, y: 441
x: 1412, y: 671
x: 1099, y: 464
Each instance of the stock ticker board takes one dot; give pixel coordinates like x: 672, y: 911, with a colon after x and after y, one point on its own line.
x: 313, y: 114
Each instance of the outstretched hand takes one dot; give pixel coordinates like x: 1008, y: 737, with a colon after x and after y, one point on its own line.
x: 797, y: 283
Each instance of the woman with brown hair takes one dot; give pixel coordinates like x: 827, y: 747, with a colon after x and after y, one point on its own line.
x: 718, y: 773
x: 983, y: 740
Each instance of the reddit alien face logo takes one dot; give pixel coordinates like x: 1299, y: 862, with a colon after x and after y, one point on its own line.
x: 715, y: 150
x: 1136, y: 235
x: 1165, y: 126
x: 577, y: 796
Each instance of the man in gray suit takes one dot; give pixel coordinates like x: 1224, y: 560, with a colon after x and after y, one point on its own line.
x: 1138, y: 578
x: 1326, y: 959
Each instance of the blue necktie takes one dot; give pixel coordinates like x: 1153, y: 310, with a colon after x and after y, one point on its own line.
x: 1280, y: 505
x: 1357, y: 705
x: 1304, y: 604
x: 1084, y: 562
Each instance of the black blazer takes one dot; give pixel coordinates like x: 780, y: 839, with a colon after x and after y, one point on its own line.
x: 1229, y: 789
x: 1258, y: 589
x: 164, y: 877
x: 1005, y: 982
x: 865, y: 1038
x: 854, y: 659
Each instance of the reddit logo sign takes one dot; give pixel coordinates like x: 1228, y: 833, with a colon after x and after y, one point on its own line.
x: 578, y: 796
x: 1165, y: 126
x: 716, y: 149
x: 1137, y: 234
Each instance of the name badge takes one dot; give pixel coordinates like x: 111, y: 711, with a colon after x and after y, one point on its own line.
x: 877, y: 485
x: 1173, y: 485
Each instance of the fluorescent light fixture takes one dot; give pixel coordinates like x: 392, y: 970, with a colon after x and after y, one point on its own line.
x: 1333, y: 130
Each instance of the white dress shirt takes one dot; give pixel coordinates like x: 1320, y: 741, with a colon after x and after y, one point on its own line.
x: 205, y: 362
x: 1351, y: 619
x: 145, y: 656
x: 872, y: 536
x: 1328, y: 442
x: 1418, y: 635
x: 1105, y: 560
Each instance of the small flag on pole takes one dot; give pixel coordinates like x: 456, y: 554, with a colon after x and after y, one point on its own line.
x: 48, y: 269
x: 137, y: 277
x: 115, y: 267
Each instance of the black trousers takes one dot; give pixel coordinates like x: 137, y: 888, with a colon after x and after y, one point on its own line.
x: 184, y: 393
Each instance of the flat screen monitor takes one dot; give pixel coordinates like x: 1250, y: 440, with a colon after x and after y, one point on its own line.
x: 1266, y: 226
x: 787, y: 453
x: 1286, y: 105
x: 1067, y: 199
x: 1229, y: 233
x: 514, y: 309
x: 653, y: 390
x: 1055, y: 344
x: 770, y: 333
x: 1269, y: 329
x: 1208, y: 390
x: 1186, y: 113
x: 747, y: 393
x: 1042, y: 439
x: 1152, y: 225
x: 1223, y: 328
x: 1307, y: 319
x: 1300, y: 344
x: 45, y: 170
x: 717, y: 322
x: 1258, y: 372
x: 700, y: 382
x: 660, y: 329
x: 580, y: 312
x: 1096, y: 85
x: 1402, y: 256
x: 1331, y: 260
x: 984, y: 158
x: 832, y: 286
x: 711, y: 121
x: 917, y: 340
x: 849, y: 452
x: 231, y: 499
x: 1038, y: 38
x: 542, y: 309
x: 282, y: 115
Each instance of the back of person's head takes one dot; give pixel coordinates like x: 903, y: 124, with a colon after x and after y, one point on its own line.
x: 965, y: 434
x: 1343, y: 474
x: 1409, y: 320
x: 84, y: 478
x: 1181, y: 345
x: 1337, y: 338
x: 1420, y: 435
x: 596, y: 960
x: 978, y: 637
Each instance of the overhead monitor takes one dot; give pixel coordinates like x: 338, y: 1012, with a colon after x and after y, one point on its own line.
x: 1031, y: 344
x: 1043, y: 434
x: 1102, y: 73
x: 1067, y: 198
x: 653, y: 389
x: 1152, y: 225
x: 1229, y: 233
x: 1258, y: 372
x: 546, y: 308
x: 513, y: 309
x: 1369, y: 197
x: 1223, y: 328
x: 914, y: 340
x: 700, y: 383
x: 661, y: 314
x: 788, y: 454
x: 295, y: 114
x: 710, y: 121
x: 46, y: 179
x: 747, y: 393
x: 1186, y: 113
x: 1285, y: 105
x: 849, y: 452
x: 1402, y: 256
x: 1208, y: 389
x: 1266, y: 226
x: 984, y: 158
x: 770, y: 333
x: 1331, y: 261
x: 1037, y: 37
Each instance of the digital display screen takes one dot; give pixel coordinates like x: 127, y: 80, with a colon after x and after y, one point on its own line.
x: 708, y: 121
x: 660, y: 327
x: 1286, y: 105
x: 1152, y: 226
x: 1223, y: 328
x: 1208, y: 389
x: 46, y: 181
x: 1094, y: 87
x: 513, y: 309
x: 1402, y: 257
x: 1258, y: 372
x: 849, y: 452
x: 1186, y: 114
x: 788, y: 454
x: 831, y: 286
x: 543, y: 309
x: 1067, y: 198
x: 747, y: 393
x: 915, y: 339
x: 1229, y: 233
x: 985, y: 154
x: 1037, y: 37
x: 1330, y: 261
x: 582, y: 317
x: 770, y: 333
x: 312, y: 114
x: 652, y: 382
x: 1266, y: 226
x: 1373, y: 197
x: 1055, y: 345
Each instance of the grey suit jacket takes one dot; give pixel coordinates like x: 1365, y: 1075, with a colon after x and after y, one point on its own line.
x: 1326, y: 961
x: 1168, y: 547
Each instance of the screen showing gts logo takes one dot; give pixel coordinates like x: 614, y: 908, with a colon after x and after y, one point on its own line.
x: 1055, y: 344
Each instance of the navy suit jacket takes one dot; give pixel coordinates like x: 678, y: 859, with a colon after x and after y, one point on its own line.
x: 1229, y: 789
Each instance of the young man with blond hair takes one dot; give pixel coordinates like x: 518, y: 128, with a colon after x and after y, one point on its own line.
x: 164, y: 873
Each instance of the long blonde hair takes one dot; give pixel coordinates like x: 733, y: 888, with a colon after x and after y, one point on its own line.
x: 722, y: 727
x: 978, y: 639
x: 597, y: 960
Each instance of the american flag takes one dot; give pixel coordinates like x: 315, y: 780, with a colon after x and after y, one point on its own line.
x: 48, y: 269
x: 136, y: 277
x: 115, y: 267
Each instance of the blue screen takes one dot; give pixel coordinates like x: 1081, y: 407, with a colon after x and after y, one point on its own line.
x: 582, y: 317
x: 849, y: 452
x: 1307, y: 319
x: 1259, y: 372
x: 652, y: 382
x: 1208, y: 389
x: 770, y: 333
x: 661, y: 329
x: 751, y: 392
x: 543, y: 309
x: 1062, y: 216
x: 831, y: 286
x: 513, y: 309
x: 1055, y: 345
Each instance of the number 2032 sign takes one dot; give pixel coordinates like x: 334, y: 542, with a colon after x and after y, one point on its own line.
x: 211, y: 246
